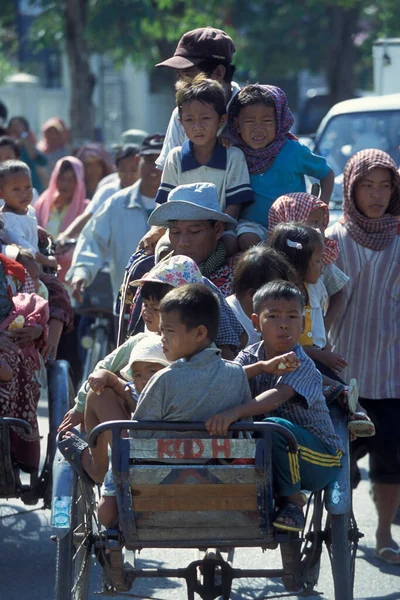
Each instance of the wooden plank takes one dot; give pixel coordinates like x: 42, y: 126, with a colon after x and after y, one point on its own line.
x: 186, y: 498
x: 188, y: 519
x: 191, y: 449
x: 187, y: 492
x: 195, y: 504
x: 225, y: 474
x: 201, y: 534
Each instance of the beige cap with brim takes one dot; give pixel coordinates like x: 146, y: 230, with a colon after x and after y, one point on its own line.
x: 148, y: 349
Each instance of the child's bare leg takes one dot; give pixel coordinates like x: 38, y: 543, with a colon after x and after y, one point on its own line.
x: 106, y: 406
x: 6, y: 373
x: 108, y: 511
x: 247, y: 240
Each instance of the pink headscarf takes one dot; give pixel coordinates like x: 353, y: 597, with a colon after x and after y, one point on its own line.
x: 58, y: 124
x: 95, y: 150
x: 296, y: 208
x: 45, y: 203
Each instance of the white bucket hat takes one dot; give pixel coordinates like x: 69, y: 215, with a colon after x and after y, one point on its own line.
x: 193, y: 202
x: 148, y: 349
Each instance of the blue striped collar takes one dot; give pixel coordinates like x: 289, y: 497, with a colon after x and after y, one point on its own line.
x: 188, y: 161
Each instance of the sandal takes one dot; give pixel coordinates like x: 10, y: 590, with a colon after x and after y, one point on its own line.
x: 290, y: 511
x: 71, y: 447
x: 333, y: 392
x: 393, y: 560
x: 361, y: 427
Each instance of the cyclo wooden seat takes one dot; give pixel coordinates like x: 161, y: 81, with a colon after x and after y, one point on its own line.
x: 197, y: 491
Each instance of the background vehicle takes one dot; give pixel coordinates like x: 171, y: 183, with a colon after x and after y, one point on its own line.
x: 353, y: 125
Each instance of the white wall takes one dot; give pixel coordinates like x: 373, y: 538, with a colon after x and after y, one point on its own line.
x: 129, y: 103
x: 386, y: 56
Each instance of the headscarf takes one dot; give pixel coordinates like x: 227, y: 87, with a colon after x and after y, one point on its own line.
x: 45, y: 203
x: 58, y: 124
x: 259, y: 161
x: 374, y: 234
x: 296, y: 208
x: 97, y: 151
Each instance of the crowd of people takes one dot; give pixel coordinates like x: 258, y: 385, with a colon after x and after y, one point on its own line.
x: 224, y: 271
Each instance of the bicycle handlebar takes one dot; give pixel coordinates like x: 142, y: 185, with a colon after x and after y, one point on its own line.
x: 12, y: 422
x: 187, y: 426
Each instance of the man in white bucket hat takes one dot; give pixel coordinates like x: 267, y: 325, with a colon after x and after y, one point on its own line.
x: 195, y: 223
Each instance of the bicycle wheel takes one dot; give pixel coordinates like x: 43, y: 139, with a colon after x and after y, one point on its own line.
x: 74, y: 550
x: 99, y: 348
x: 342, y: 537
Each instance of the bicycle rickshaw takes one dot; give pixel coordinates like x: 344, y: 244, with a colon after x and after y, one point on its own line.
x: 60, y: 398
x: 198, y: 502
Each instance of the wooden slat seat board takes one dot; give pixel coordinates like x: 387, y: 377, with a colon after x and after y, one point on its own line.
x: 191, y: 475
x: 191, y: 449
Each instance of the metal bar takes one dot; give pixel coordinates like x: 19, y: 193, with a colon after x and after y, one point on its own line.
x: 187, y: 426
x: 120, y: 468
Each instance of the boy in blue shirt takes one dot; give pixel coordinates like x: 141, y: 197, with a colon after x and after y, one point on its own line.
x: 259, y: 124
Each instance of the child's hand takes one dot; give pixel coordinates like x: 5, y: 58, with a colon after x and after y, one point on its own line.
x: 99, y: 380
x: 286, y: 363
x: 225, y: 141
x: 25, y: 335
x: 72, y: 419
x: 332, y: 360
x: 219, y: 423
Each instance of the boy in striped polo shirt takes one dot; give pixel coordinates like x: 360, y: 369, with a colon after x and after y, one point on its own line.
x: 286, y: 385
x: 202, y: 112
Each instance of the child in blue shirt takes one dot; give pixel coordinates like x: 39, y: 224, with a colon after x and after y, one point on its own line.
x: 259, y: 124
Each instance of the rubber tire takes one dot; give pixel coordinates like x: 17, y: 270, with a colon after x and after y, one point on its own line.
x: 341, y: 559
x: 100, y: 347
x: 65, y: 566
x: 60, y: 399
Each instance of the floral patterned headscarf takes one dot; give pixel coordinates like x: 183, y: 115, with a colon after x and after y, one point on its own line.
x: 375, y: 234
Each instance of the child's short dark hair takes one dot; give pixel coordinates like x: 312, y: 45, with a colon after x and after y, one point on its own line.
x: 207, y: 91
x: 250, y: 95
x: 277, y: 290
x: 155, y: 291
x: 11, y: 167
x: 126, y: 151
x: 196, y: 305
x: 259, y: 265
x: 297, y: 242
x: 6, y: 140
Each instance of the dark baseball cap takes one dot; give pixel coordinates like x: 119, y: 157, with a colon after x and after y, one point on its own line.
x: 201, y: 44
x: 152, y: 144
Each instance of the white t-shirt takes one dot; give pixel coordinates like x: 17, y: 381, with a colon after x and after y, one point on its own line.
x: 318, y: 297
x: 252, y: 335
x: 21, y: 230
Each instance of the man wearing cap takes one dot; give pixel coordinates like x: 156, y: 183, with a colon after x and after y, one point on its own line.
x: 205, y: 50
x: 195, y: 223
x: 116, y: 228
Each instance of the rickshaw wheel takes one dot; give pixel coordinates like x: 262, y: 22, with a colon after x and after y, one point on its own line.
x: 342, y: 538
x: 75, y: 549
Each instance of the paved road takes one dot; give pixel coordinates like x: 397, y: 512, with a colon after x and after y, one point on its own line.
x: 27, y: 561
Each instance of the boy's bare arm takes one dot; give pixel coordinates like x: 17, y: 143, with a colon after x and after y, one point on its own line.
x: 285, y: 363
x: 233, y: 210
x: 266, y: 402
x: 327, y: 184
